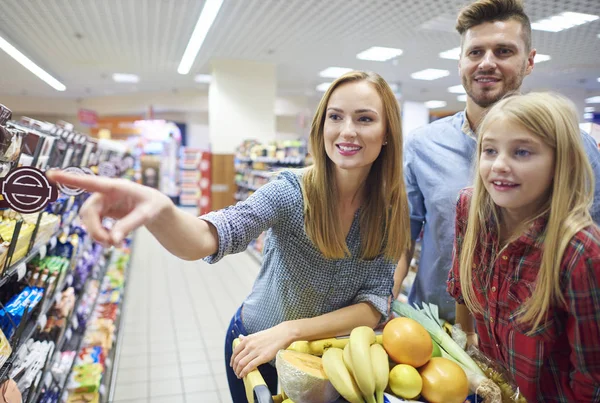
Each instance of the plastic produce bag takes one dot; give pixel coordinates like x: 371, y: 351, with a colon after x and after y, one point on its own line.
x: 495, y: 372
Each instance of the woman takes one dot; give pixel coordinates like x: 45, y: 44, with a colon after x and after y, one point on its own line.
x: 335, y: 229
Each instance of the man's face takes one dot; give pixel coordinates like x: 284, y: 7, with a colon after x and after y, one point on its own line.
x: 494, y: 60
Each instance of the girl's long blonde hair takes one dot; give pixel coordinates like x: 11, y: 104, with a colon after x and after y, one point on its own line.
x: 384, y: 220
x: 553, y: 119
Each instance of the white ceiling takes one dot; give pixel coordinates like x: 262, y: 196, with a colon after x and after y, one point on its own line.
x: 82, y: 42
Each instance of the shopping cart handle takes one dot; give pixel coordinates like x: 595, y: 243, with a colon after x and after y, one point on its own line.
x: 257, y: 390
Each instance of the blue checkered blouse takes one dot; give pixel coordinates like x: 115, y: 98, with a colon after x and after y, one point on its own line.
x: 295, y: 280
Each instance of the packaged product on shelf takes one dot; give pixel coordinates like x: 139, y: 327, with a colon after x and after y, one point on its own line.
x: 85, y: 378
x: 5, y: 349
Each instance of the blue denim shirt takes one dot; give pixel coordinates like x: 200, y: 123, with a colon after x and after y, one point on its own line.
x: 295, y: 280
x: 438, y: 162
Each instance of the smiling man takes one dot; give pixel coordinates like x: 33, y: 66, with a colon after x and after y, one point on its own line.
x: 496, y: 55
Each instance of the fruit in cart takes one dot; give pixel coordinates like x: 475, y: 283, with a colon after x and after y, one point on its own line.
x: 381, y: 370
x: 318, y: 347
x: 303, y: 378
x: 361, y: 339
x: 348, y: 359
x: 407, y: 342
x: 405, y: 381
x: 339, y: 376
x: 444, y: 381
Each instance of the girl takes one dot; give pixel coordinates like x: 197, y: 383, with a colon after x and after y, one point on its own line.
x: 334, y: 229
x: 527, y: 253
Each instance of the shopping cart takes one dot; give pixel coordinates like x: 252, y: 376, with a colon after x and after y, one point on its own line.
x: 257, y: 390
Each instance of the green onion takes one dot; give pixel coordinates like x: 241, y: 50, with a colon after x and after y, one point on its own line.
x: 433, y: 326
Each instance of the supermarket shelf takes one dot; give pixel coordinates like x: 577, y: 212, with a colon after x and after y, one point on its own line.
x: 247, y: 186
x: 115, y: 352
x: 12, y: 270
x: 272, y: 160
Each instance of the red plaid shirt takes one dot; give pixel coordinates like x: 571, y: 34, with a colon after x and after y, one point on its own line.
x: 561, y: 361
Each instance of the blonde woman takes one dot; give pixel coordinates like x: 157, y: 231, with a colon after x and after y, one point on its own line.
x: 335, y: 230
x: 527, y: 252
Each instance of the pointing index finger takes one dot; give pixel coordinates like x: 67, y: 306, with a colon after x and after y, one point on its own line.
x: 85, y: 182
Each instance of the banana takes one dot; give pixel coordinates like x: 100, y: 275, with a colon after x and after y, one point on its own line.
x: 340, y: 378
x: 361, y: 339
x: 318, y: 347
x: 348, y: 359
x: 380, y: 361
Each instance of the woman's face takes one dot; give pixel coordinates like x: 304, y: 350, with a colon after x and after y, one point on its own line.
x: 355, y: 127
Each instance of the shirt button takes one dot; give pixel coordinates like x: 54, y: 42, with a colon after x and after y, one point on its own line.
x: 494, y: 289
x: 492, y: 320
x: 474, y: 266
x: 504, y: 257
x: 497, y: 346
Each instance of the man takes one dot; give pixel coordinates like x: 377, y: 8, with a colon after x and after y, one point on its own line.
x: 496, y: 55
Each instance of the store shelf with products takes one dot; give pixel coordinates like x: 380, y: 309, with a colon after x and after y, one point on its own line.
x: 256, y: 164
x: 189, y: 177
x: 49, y: 267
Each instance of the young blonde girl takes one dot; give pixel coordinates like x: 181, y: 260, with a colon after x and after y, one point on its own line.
x: 527, y: 253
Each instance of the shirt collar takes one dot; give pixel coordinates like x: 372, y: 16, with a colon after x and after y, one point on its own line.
x: 466, y: 127
x: 534, y: 235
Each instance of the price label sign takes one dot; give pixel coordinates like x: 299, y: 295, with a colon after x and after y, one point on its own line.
x: 21, y: 271
x: 53, y: 242
x: 68, y: 334
x: 43, y: 251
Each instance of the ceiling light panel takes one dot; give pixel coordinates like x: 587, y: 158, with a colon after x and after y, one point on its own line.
x: 457, y: 89
x: 379, y: 54
x: 334, y: 72
x: 452, y: 54
x: 126, y: 78
x: 562, y: 21
x: 429, y: 74
x: 30, y: 65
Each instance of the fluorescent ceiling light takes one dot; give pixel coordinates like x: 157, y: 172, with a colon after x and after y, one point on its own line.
x: 592, y: 100
x: 31, y: 66
x: 598, y: 79
x: 435, y: 104
x: 453, y: 54
x: 323, y: 87
x: 429, y: 74
x: 541, y: 58
x: 207, y: 17
x: 589, y: 109
x: 203, y: 78
x: 562, y: 21
x: 126, y: 78
x: 457, y: 89
x: 334, y: 72
x: 462, y: 98
x: 379, y: 54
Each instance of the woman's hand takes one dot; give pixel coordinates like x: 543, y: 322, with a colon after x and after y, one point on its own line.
x: 132, y: 204
x: 259, y: 348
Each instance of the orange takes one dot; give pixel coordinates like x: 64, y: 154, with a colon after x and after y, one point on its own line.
x: 407, y: 342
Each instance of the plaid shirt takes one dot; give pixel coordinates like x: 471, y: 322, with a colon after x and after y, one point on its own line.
x: 561, y: 361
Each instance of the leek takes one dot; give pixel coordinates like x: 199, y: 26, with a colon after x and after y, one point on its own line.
x: 434, y: 327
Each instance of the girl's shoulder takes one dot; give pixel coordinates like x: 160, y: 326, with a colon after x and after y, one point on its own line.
x: 587, y: 241
x: 463, y: 201
x: 582, y: 254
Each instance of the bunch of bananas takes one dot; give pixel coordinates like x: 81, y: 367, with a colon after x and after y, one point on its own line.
x: 360, y: 370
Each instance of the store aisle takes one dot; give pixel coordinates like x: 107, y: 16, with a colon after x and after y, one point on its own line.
x: 177, y: 313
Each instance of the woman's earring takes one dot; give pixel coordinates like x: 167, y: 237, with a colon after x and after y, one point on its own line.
x: 385, y: 143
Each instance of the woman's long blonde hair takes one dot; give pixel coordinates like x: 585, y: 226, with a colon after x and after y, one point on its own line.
x: 384, y: 220
x: 553, y: 119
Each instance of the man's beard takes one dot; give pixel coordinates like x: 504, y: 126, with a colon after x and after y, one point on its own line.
x: 486, y: 99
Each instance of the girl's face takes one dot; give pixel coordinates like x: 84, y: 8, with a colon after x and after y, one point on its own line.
x: 516, y: 167
x: 355, y: 126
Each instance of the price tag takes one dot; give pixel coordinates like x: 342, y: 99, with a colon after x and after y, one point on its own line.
x: 48, y: 380
x: 102, y: 390
x: 21, y: 270
x: 75, y: 322
x: 42, y: 321
x: 68, y: 334
x: 43, y: 251
x: 69, y: 280
x: 53, y: 242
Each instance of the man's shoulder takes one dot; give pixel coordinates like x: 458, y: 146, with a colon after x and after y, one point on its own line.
x: 440, y: 128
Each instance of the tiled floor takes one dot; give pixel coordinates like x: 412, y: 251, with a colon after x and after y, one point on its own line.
x: 177, y: 313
